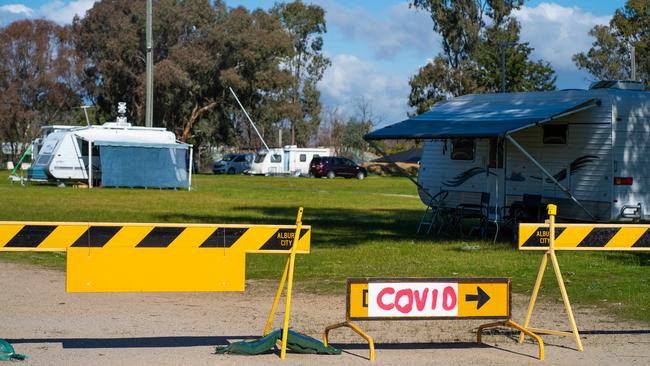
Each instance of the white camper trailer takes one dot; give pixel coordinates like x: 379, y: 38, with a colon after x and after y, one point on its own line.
x: 588, y: 151
x: 290, y: 160
x: 135, y: 156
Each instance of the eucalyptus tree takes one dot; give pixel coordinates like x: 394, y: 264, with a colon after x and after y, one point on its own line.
x: 474, y: 35
x: 39, y: 79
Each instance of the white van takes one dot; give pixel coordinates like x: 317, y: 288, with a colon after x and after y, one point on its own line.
x: 289, y: 160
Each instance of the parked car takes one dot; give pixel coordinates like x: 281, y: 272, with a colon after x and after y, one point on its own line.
x: 233, y: 164
x: 335, y: 166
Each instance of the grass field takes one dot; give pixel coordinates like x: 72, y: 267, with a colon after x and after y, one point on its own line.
x: 360, y: 228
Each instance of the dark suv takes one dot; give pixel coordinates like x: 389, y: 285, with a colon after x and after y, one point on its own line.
x: 334, y: 166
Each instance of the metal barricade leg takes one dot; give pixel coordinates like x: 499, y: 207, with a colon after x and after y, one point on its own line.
x: 510, y: 324
x: 356, y: 329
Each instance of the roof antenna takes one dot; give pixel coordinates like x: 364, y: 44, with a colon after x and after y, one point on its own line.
x: 121, y: 111
x: 249, y: 118
x: 85, y: 108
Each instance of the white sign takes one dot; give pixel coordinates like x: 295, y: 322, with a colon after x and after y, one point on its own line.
x: 413, y: 299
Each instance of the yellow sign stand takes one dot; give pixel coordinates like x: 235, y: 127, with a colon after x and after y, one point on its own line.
x: 552, y: 211
x: 388, y: 299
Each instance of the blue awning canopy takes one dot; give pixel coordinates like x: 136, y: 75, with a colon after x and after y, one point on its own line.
x: 486, y: 115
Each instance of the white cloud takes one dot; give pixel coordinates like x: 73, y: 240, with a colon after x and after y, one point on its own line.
x: 59, y: 11
x: 350, y: 78
x: 557, y: 32
x: 400, y: 29
x: 63, y: 12
x: 17, y: 9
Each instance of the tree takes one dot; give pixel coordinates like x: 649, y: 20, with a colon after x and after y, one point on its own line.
x: 609, y: 56
x: 460, y: 23
x: 471, y: 57
x: 112, y: 38
x: 305, y: 25
x: 522, y: 74
x: 200, y: 50
x: 254, y: 47
x: 39, y: 81
x: 345, y: 135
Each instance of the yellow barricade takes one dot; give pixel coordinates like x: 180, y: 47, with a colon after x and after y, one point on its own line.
x: 140, y: 257
x: 551, y: 237
x: 152, y: 257
x: 585, y: 237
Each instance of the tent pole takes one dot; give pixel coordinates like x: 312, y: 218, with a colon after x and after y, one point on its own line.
x: 189, y: 178
x: 546, y: 172
x: 90, y: 164
x: 505, y: 172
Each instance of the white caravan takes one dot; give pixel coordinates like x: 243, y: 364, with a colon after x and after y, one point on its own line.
x: 63, y: 151
x: 290, y: 160
x: 588, y: 151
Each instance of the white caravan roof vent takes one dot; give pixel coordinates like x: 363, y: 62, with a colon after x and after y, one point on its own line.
x: 618, y: 84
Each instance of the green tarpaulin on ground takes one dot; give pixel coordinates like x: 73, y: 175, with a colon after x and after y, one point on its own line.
x: 296, y: 342
x: 7, y: 352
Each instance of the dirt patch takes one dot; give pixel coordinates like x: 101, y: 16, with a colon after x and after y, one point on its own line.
x: 57, y: 328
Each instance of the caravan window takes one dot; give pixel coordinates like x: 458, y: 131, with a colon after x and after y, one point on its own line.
x: 462, y: 149
x: 303, y: 157
x: 276, y: 158
x: 260, y: 158
x: 555, y: 134
x: 83, y: 147
x: 43, y: 159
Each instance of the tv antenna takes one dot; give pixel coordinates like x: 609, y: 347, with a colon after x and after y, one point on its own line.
x: 85, y: 108
x: 249, y: 118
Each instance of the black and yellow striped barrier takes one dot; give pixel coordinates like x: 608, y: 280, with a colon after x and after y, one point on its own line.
x: 586, y: 237
x: 153, y: 257
x: 550, y: 237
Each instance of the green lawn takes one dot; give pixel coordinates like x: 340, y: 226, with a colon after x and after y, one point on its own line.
x: 360, y: 228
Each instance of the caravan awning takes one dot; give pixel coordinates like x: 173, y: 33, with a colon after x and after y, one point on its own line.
x: 143, y: 144
x: 486, y: 115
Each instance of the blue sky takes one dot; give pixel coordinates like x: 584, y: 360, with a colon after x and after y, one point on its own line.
x: 376, y: 45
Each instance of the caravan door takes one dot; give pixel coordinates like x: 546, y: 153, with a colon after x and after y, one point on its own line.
x: 287, y: 161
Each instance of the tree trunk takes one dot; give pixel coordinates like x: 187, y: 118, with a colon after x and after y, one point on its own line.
x: 196, y: 114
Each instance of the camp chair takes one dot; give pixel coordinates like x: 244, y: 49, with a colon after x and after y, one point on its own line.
x: 432, y: 213
x: 529, y: 209
x: 475, y: 211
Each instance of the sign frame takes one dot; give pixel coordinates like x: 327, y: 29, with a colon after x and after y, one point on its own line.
x: 477, y: 280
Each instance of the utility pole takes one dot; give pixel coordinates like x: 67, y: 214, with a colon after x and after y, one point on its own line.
x: 504, y: 45
x: 503, y: 68
x: 148, y: 121
x: 633, y: 60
